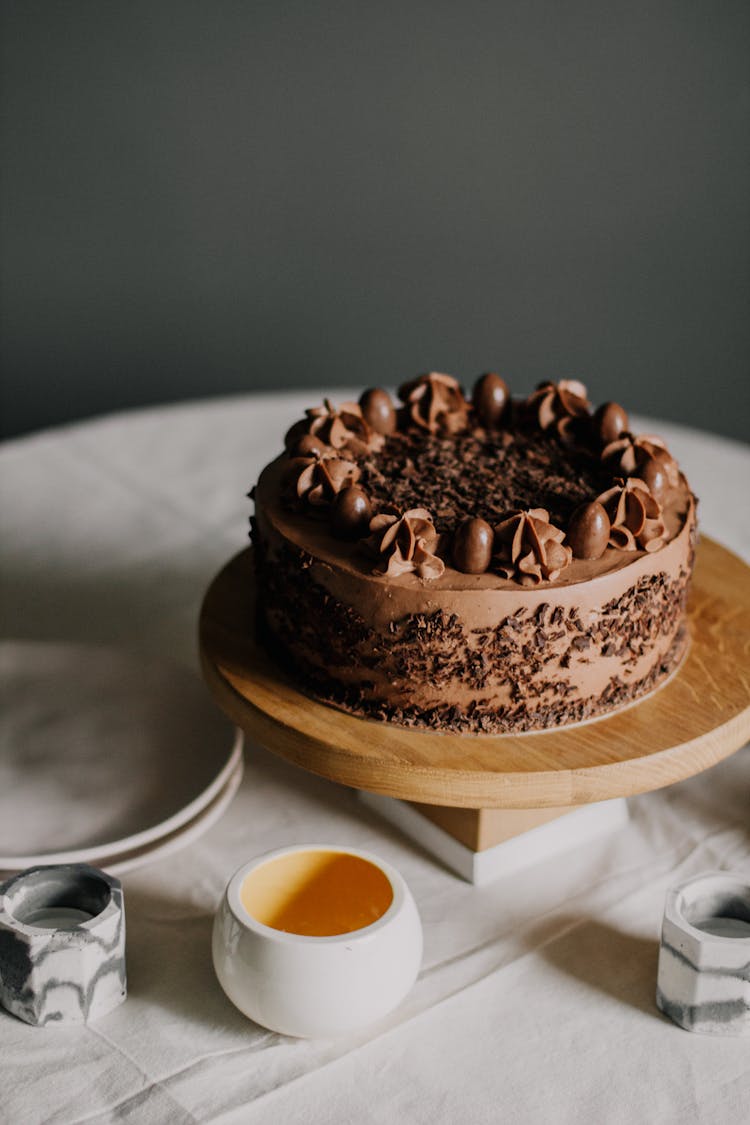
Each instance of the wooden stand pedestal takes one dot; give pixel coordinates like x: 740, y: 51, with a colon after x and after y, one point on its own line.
x: 485, y: 844
x: 507, y: 795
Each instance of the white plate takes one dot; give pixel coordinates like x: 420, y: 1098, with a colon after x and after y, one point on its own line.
x: 120, y: 862
x: 102, y: 752
x: 128, y: 861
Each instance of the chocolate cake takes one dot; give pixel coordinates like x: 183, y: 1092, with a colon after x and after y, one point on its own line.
x: 482, y: 566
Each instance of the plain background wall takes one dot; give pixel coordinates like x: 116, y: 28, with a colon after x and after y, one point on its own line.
x: 211, y: 197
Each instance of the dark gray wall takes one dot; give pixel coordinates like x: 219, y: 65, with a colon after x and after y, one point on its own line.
x: 213, y: 197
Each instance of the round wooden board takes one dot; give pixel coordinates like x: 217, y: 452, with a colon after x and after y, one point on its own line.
x: 699, y: 717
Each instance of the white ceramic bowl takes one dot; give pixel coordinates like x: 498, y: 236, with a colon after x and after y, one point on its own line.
x: 306, y: 984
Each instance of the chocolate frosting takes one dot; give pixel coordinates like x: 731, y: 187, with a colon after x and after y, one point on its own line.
x: 318, y: 480
x: 343, y: 427
x: 523, y: 479
x: 529, y: 548
x: 405, y: 543
x: 635, y: 516
x: 309, y: 446
x: 630, y: 453
x: 435, y: 402
x: 476, y: 652
x: 559, y: 406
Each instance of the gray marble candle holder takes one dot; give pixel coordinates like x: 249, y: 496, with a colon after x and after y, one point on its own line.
x: 704, y: 960
x: 62, y: 944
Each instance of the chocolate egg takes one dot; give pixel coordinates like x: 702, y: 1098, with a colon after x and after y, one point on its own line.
x: 609, y: 421
x: 666, y: 463
x: 294, y: 433
x: 491, y: 399
x: 378, y: 411
x: 351, y: 513
x: 588, y: 531
x: 653, y: 474
x: 472, y: 546
x: 309, y: 446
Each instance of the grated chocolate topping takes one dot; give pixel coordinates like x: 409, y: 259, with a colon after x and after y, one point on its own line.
x: 482, y: 475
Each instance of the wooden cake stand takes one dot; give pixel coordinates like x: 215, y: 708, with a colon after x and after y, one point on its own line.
x: 488, y: 804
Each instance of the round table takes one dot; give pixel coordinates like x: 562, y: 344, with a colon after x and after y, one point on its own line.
x: 536, y: 997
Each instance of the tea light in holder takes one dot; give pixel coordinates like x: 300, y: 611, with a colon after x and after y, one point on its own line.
x: 704, y: 959
x: 62, y: 944
x: 317, y: 940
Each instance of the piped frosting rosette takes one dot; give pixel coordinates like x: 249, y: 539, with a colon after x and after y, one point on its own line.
x: 635, y: 516
x: 339, y: 427
x: 529, y: 548
x: 318, y: 480
x: 562, y: 407
x: 435, y: 402
x: 404, y: 544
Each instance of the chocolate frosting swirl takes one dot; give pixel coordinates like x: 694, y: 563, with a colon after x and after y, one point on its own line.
x: 559, y: 406
x: 529, y: 548
x: 343, y: 427
x: 405, y: 544
x: 635, y: 516
x: 435, y: 402
x: 630, y: 453
x: 318, y: 480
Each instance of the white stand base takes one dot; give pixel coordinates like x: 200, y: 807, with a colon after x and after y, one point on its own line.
x: 569, y: 831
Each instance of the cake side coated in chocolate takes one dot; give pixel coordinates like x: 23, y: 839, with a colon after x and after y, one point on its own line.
x: 480, y: 572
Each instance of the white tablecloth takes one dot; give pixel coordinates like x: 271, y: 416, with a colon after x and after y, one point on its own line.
x: 536, y: 998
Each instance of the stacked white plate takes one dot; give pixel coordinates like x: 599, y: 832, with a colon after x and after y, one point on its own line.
x: 106, y: 758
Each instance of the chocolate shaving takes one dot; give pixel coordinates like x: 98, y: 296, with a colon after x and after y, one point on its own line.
x: 482, y: 475
x: 313, y: 635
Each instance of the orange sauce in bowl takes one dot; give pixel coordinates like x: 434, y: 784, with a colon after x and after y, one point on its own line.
x: 317, y: 893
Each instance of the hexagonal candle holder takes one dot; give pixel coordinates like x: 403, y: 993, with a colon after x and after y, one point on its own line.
x: 62, y: 944
x: 704, y: 959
